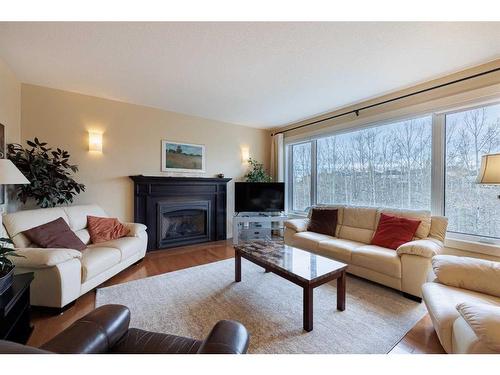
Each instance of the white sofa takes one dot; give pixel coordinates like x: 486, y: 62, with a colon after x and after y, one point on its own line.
x: 62, y: 275
x: 458, y: 280
x: 405, y: 269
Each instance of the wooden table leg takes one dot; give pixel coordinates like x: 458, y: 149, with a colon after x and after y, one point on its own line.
x: 341, y: 292
x: 308, y: 309
x: 237, y: 267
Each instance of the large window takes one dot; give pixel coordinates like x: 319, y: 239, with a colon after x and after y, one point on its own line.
x: 386, y: 165
x: 301, y: 184
x: 471, y: 208
x: 428, y: 162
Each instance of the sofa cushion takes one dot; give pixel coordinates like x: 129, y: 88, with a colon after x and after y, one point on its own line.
x: 97, y: 259
x: 17, y: 222
x: 83, y: 235
x: 104, y: 229
x: 309, y: 240
x: 358, y: 224
x: 77, y: 215
x: 468, y: 273
x: 128, y: 246
x: 338, y: 248
x: 324, y: 221
x: 378, y: 259
x: 54, y: 234
x: 423, y: 216
x: 393, y: 231
x: 441, y: 301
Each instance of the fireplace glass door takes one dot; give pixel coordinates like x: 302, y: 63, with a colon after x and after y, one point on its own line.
x: 182, y: 223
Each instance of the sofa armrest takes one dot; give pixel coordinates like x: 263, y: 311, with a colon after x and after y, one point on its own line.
x: 426, y: 248
x: 484, y: 319
x: 226, y: 337
x: 298, y: 225
x: 35, y: 257
x: 95, y: 333
x: 135, y: 229
x: 478, y: 275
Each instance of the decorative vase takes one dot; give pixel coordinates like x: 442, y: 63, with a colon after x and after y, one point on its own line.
x: 6, y: 281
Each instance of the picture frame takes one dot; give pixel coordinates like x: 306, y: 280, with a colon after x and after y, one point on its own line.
x: 182, y: 157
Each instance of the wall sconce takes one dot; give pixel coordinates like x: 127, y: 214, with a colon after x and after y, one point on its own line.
x: 95, y: 141
x: 245, y: 154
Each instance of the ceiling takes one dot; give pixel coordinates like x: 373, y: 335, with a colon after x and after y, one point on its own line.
x: 255, y: 74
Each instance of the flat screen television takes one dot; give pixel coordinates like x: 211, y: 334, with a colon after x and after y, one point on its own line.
x: 259, y: 196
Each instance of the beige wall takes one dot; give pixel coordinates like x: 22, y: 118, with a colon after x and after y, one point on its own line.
x: 10, y: 103
x: 131, y: 142
x: 10, y: 113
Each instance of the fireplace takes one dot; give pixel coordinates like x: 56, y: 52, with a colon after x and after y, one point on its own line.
x: 183, y: 222
x: 180, y: 210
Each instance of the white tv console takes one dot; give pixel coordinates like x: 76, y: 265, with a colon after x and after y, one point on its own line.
x: 247, y: 222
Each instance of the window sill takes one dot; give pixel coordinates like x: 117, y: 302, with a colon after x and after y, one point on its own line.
x: 472, y: 246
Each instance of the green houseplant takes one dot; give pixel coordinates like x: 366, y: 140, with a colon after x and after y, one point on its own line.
x: 257, y: 172
x: 49, y: 173
x: 6, y: 265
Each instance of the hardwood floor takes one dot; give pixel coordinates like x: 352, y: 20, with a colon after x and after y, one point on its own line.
x: 420, y: 339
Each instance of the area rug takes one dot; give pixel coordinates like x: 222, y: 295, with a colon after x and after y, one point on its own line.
x: 190, y: 301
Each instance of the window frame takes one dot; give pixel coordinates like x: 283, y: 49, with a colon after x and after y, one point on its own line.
x: 438, y: 157
x: 441, y: 117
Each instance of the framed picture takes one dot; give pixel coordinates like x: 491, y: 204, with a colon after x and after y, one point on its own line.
x: 182, y: 157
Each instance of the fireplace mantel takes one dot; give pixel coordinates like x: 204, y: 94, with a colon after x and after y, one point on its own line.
x: 151, y: 193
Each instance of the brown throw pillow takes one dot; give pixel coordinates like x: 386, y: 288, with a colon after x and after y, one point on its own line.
x: 323, y: 220
x: 104, y: 229
x: 55, y: 234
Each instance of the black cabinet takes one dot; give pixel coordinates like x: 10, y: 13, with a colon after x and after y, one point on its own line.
x: 15, y: 310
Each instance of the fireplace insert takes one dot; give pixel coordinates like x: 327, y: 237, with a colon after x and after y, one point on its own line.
x: 181, y: 223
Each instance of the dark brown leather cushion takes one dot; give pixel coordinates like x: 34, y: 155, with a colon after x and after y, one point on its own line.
x: 55, y: 234
x: 323, y: 220
x: 138, y: 341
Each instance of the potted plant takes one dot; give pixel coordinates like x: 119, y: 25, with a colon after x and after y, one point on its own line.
x: 49, y: 173
x: 6, y: 265
x: 257, y: 173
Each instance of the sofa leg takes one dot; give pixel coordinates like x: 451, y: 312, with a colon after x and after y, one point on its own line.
x: 412, y: 297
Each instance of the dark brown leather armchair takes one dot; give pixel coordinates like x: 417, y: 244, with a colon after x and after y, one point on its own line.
x: 106, y: 330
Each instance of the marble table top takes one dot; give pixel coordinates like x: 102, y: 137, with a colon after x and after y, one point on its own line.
x: 294, y: 261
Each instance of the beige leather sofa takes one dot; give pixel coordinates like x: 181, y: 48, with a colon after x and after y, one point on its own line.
x: 453, y: 282
x: 405, y: 269
x: 62, y: 275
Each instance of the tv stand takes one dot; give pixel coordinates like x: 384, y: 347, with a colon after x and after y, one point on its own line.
x: 249, y: 222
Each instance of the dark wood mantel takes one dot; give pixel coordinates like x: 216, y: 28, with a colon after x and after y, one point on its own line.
x: 150, y: 192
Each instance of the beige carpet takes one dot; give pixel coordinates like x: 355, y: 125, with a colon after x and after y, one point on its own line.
x: 188, y: 303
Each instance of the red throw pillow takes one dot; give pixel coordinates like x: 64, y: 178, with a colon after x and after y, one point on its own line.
x: 103, y: 229
x: 393, y: 231
x: 55, y: 234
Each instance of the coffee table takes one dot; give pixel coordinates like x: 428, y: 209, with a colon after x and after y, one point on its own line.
x: 301, y: 267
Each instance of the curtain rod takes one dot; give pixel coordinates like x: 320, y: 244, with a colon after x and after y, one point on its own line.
x: 356, y: 111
